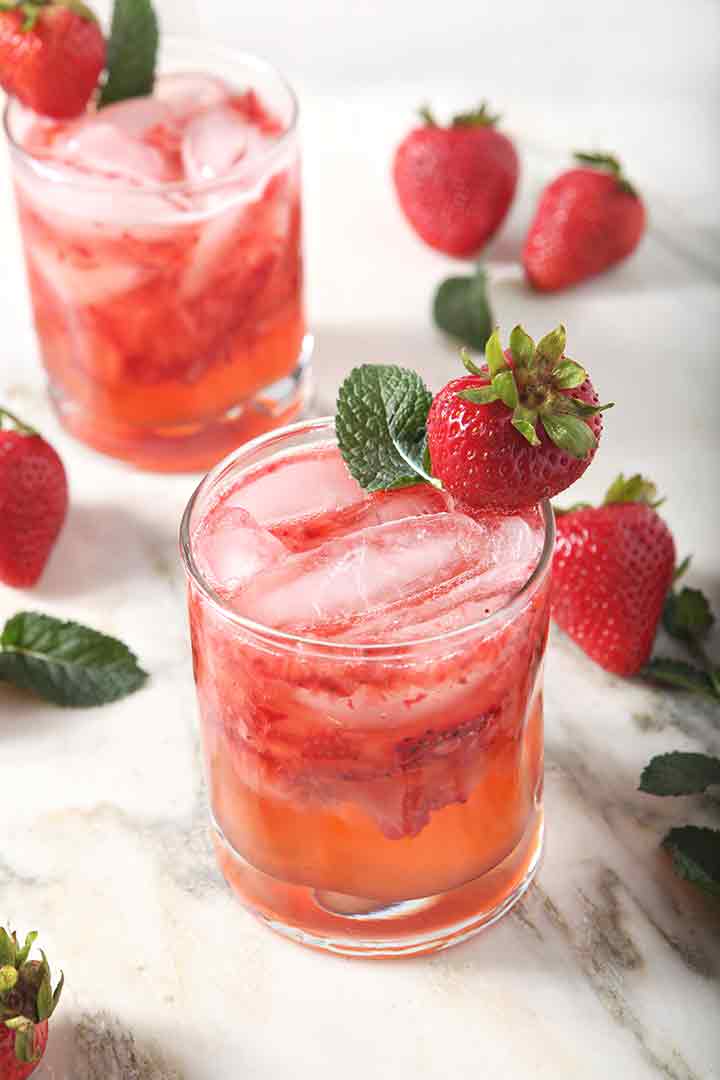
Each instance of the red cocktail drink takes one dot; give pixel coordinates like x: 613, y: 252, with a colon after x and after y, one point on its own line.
x: 162, y: 240
x: 369, y: 674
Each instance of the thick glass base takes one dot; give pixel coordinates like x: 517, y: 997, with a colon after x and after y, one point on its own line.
x: 353, y: 926
x: 194, y: 447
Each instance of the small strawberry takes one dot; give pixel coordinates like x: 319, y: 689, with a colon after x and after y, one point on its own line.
x: 587, y: 220
x: 612, y: 569
x: 33, y: 502
x: 519, y: 430
x: 455, y: 184
x: 27, y: 1001
x: 51, y: 54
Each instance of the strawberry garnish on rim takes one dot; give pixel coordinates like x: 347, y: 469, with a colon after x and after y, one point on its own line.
x: 51, y: 55
x: 520, y: 429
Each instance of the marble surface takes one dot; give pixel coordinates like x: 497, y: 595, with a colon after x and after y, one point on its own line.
x: 610, y: 966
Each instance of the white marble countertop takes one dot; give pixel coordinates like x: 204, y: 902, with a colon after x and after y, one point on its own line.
x: 610, y: 966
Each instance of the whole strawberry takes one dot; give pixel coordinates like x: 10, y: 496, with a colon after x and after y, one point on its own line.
x: 612, y: 569
x: 517, y: 431
x: 51, y: 54
x: 455, y: 184
x: 33, y: 501
x: 587, y: 220
x: 27, y: 1001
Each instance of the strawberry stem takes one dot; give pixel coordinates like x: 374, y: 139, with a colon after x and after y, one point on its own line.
x: 16, y: 422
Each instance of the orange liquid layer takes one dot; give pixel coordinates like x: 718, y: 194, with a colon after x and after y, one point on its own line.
x: 341, y: 848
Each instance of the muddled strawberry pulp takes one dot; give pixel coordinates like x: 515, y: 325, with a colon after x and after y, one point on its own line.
x: 396, y: 751
x: 162, y: 239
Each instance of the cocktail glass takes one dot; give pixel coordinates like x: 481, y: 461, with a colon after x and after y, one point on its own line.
x: 375, y: 776
x: 169, y: 313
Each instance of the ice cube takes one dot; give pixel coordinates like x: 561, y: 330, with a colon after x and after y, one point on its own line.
x: 83, y: 279
x: 136, y: 116
x: 214, y: 241
x: 100, y: 148
x: 230, y: 547
x: 344, y: 579
x: 312, y: 482
x: 376, y: 509
x: 222, y: 142
x: 189, y: 93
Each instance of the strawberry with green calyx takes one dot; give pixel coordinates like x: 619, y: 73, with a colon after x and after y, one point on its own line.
x: 518, y: 430
x: 51, y: 54
x: 455, y: 184
x: 588, y: 219
x: 612, y: 568
x: 33, y: 501
x: 27, y: 1001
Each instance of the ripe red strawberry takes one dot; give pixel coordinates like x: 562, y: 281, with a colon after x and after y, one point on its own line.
x: 27, y: 1001
x: 612, y: 569
x: 33, y: 502
x: 517, y: 431
x: 587, y: 220
x: 455, y: 184
x: 51, y: 54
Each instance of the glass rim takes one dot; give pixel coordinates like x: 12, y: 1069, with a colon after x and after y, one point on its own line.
x: 340, y: 649
x: 46, y: 168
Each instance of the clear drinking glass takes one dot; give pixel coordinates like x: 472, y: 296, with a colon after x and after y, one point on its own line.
x: 170, y: 314
x: 367, y: 798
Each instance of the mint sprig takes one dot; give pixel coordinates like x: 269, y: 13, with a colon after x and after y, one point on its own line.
x: 696, y: 856
x: 687, y: 617
x: 680, y: 773
x: 66, y: 663
x: 461, y: 309
x: 131, y: 52
x: 380, y: 422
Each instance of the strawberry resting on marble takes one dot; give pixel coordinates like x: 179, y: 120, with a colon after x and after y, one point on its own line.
x: 612, y: 569
x: 33, y: 501
x: 519, y: 429
x: 27, y: 1001
x: 51, y: 54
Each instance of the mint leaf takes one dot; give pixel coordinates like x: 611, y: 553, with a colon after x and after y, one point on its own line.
x: 380, y: 422
x: 680, y: 773
x: 66, y: 663
x: 131, y: 52
x: 696, y: 856
x: 687, y: 615
x: 461, y: 309
x: 684, y: 676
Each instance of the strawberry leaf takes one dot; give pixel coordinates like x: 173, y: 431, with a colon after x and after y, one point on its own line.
x: 681, y: 675
x: 8, y: 949
x: 687, y: 615
x: 24, y: 1039
x: 506, y: 388
x: 44, y: 1004
x: 480, y: 395
x: 569, y: 433
x: 8, y: 978
x: 682, y: 568
x: 461, y: 309
x: 522, y: 347
x: 131, y: 52
x: 696, y: 856
x: 633, y: 489
x: 494, y: 355
x: 567, y: 375
x: 550, y: 348
x: 380, y: 422
x: 680, y: 773
x: 23, y: 953
x: 66, y: 663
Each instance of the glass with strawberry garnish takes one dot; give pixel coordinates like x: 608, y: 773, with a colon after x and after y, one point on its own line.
x: 369, y: 674
x: 163, y: 247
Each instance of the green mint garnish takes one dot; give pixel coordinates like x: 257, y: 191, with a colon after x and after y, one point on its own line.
x: 461, y: 309
x: 66, y: 663
x: 380, y: 422
x: 131, y: 51
x: 683, y: 676
x: 680, y: 773
x: 687, y: 615
x: 696, y: 856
